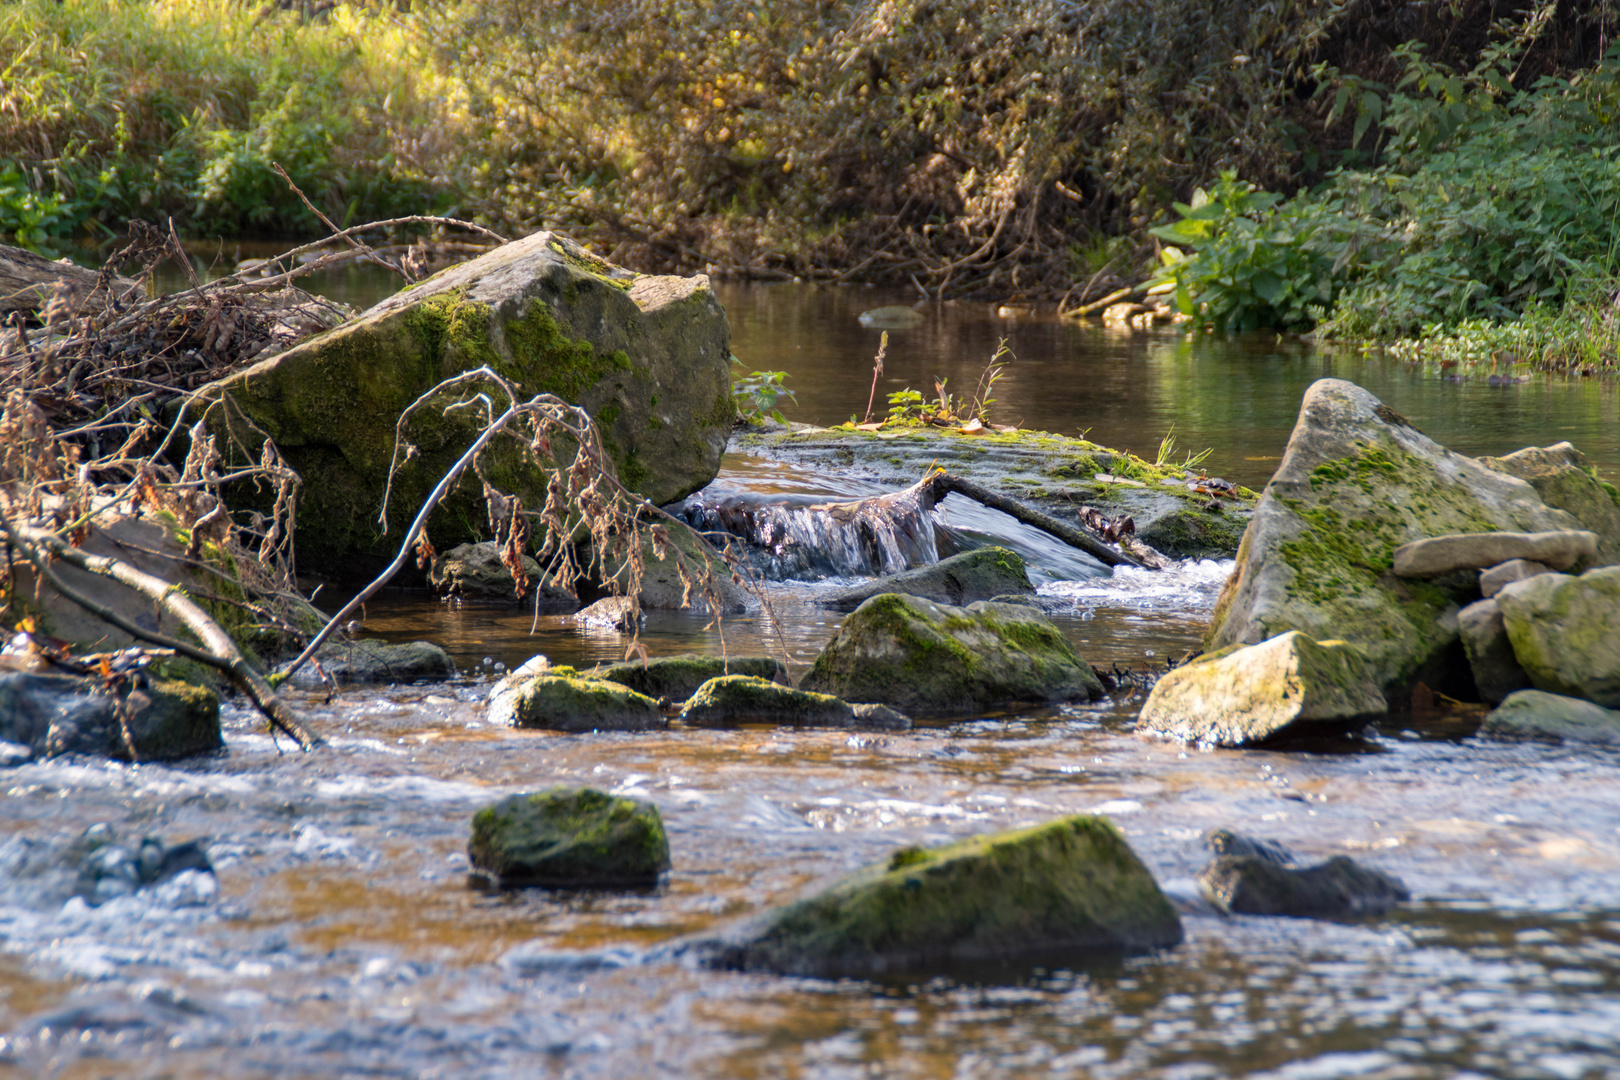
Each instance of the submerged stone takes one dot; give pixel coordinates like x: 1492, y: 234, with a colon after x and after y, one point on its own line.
x: 1282, y: 688
x: 676, y: 678
x: 1338, y: 888
x: 1436, y: 555
x: 1072, y: 884
x: 369, y: 662
x: 570, y: 838
x: 1536, y: 714
x: 927, y: 658
x: 987, y: 573
x: 61, y: 714
x: 743, y: 699
x: 648, y: 357
x: 1566, y: 632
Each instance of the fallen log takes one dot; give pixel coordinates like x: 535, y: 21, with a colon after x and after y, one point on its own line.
x: 29, y: 283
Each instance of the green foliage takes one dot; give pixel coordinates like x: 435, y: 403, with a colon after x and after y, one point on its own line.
x: 757, y: 393
x: 35, y: 220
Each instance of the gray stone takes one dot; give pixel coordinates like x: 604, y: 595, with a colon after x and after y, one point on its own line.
x: 981, y: 574
x: 928, y: 658
x: 1536, y: 714
x: 880, y: 718
x: 1436, y: 555
x: 1338, y: 888
x: 1563, y: 479
x: 1490, y: 654
x: 743, y: 699
x: 662, y: 587
x: 570, y: 838
x: 1069, y: 885
x: 1497, y: 578
x: 647, y: 357
x: 1566, y: 632
x: 558, y: 699
x: 1357, y: 482
x: 108, y: 870
x: 476, y: 572
x: 368, y: 662
x: 60, y: 714
x: 676, y: 678
x: 1227, y: 842
x: 1282, y: 688
x: 617, y: 613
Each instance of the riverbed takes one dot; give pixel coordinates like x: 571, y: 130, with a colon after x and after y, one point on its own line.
x: 342, y: 935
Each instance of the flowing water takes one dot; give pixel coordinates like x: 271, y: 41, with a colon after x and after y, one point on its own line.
x: 342, y: 936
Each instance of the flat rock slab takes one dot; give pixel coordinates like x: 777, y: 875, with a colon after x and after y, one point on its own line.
x: 676, y: 678
x: 1536, y: 714
x: 1071, y: 884
x: 743, y: 699
x: 570, y: 838
x: 1566, y: 632
x: 981, y: 574
x: 1338, y: 888
x: 1497, y: 578
x: 1437, y: 555
x: 1282, y: 688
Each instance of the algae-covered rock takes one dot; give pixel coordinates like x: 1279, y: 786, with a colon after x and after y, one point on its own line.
x: 935, y: 659
x: 1566, y: 632
x: 1536, y: 714
x: 981, y: 574
x: 1563, y: 479
x: 557, y: 699
x: 1337, y: 888
x: 677, y: 677
x: 1282, y: 688
x: 570, y: 838
x: 1357, y: 482
x: 744, y: 699
x: 1071, y: 884
x: 648, y: 357
x: 60, y: 714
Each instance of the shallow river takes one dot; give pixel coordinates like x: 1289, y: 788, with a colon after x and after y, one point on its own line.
x: 342, y: 935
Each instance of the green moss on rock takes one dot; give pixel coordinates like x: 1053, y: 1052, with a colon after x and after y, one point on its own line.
x: 570, y: 838
x: 730, y: 700
x: 677, y: 677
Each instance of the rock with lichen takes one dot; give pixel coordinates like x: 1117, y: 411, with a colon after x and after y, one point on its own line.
x: 560, y: 699
x: 646, y: 356
x: 1565, y: 632
x: 1069, y: 886
x: 730, y: 700
x: 570, y: 838
x: 675, y: 678
x: 934, y: 659
x: 1357, y: 482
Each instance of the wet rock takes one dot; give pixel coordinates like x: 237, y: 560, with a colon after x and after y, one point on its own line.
x: 1563, y: 479
x: 743, y: 699
x: 617, y: 613
x: 1437, y: 555
x: 108, y: 869
x: 570, y: 838
x: 927, y: 658
x: 1072, y: 884
x: 1497, y: 578
x: 502, y: 703
x: 980, y: 574
x: 880, y: 718
x: 1053, y: 473
x: 676, y: 678
x: 559, y: 699
x: 1227, y: 842
x: 646, y: 356
x: 1566, y: 632
x: 662, y: 588
x: 1536, y: 714
x: 59, y: 714
x: 1282, y: 688
x: 476, y: 572
x: 1490, y: 654
x: 1338, y: 888
x: 1357, y: 482
x: 368, y: 662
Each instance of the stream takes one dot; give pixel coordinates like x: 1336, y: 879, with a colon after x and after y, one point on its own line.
x: 342, y: 935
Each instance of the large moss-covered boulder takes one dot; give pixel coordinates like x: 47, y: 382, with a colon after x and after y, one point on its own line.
x: 1358, y: 480
x: 1282, y: 688
x: 558, y: 699
x: 570, y: 838
x: 60, y: 714
x: 934, y: 659
x: 1566, y: 632
x: 743, y: 699
x: 981, y: 574
x: 647, y: 356
x: 1561, y: 476
x: 678, y: 677
x: 1072, y: 884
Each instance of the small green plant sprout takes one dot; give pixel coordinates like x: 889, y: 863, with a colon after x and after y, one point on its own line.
x: 1167, y: 450
x: 877, y: 370
x: 994, y: 369
x: 756, y: 394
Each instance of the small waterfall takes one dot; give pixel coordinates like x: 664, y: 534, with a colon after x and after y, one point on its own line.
x: 805, y: 539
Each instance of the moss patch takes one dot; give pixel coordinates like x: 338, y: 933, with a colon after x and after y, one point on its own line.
x: 570, y: 837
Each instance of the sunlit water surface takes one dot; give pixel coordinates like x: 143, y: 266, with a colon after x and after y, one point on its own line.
x: 345, y: 937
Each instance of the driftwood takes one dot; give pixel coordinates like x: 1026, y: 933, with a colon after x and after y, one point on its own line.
x: 1128, y: 552
x: 30, y: 283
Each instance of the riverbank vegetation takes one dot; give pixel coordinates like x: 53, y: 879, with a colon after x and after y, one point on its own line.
x: 1425, y: 166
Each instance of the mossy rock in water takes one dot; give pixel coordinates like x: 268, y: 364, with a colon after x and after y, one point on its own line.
x: 570, y: 838
x: 1566, y: 632
x: 743, y: 699
x: 369, y: 662
x: 1066, y: 886
x: 647, y: 357
x: 60, y: 714
x: 1536, y: 714
x: 1562, y: 478
x: 566, y: 702
x: 981, y: 574
x: 1357, y: 482
x: 933, y: 659
x: 677, y: 677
